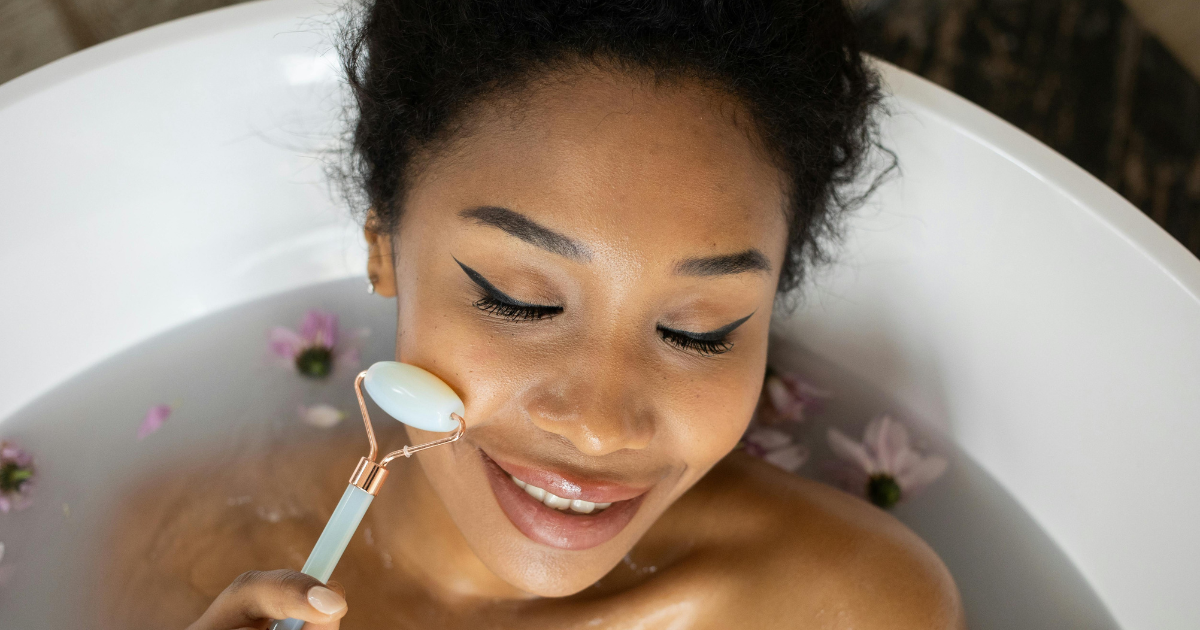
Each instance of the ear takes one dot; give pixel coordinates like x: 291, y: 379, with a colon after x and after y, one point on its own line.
x: 381, y: 268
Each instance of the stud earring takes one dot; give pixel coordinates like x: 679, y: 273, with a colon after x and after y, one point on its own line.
x: 371, y: 285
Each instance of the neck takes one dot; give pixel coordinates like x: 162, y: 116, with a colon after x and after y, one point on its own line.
x: 415, y: 528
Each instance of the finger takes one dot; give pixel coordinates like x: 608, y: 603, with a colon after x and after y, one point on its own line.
x: 256, y: 595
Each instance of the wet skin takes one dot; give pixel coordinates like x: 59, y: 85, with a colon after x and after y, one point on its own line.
x: 592, y: 266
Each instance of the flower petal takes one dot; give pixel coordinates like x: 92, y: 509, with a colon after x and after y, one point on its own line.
x: 922, y: 474
x: 767, y: 439
x: 887, y: 439
x: 804, y: 389
x: 284, y: 343
x: 851, y: 451
x: 904, y: 462
x: 155, y: 418
x: 777, y: 393
x: 11, y: 453
x: 789, y: 458
x: 319, y: 328
x: 321, y: 416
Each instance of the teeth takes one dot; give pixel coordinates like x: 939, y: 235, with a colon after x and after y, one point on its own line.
x: 554, y: 501
x: 536, y: 492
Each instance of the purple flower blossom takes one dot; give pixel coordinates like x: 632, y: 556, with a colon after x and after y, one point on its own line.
x: 883, y: 467
x: 775, y: 447
x: 16, y: 477
x: 155, y: 418
x: 318, y: 347
x: 787, y: 397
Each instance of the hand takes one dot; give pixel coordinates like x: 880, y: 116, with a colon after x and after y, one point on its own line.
x: 257, y: 597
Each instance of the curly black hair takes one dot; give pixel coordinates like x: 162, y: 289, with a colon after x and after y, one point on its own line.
x: 415, y: 66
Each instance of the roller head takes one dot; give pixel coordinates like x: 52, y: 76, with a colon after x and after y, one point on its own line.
x: 413, y: 396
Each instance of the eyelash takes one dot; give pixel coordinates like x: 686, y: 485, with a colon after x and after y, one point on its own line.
x: 498, y: 305
x: 515, y: 312
x: 689, y: 343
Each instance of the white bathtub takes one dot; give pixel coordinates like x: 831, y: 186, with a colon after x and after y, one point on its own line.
x: 994, y: 289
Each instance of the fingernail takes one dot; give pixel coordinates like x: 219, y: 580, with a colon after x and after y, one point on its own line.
x: 325, y: 600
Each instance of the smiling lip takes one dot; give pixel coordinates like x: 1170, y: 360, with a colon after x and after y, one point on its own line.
x: 555, y: 528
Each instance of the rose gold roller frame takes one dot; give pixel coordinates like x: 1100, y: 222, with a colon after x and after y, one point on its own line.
x: 368, y: 475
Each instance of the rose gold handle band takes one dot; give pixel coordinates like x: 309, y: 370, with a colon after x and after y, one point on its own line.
x: 368, y: 475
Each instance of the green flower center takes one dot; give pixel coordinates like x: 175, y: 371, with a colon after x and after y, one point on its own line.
x: 12, y: 477
x: 883, y: 490
x: 315, y: 362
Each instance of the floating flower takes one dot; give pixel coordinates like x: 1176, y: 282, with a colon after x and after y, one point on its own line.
x: 884, y: 467
x: 786, y: 398
x: 16, y: 477
x: 155, y: 418
x: 321, y: 416
x: 775, y: 447
x: 318, y: 348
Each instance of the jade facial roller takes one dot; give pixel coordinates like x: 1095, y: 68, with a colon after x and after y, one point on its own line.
x: 410, y: 395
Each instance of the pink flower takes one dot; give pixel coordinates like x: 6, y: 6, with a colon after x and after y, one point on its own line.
x: 318, y: 347
x: 787, y: 397
x: 775, y: 447
x: 884, y: 467
x: 155, y: 418
x: 16, y: 477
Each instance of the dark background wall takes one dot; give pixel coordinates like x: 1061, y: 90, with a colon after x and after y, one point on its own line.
x: 1082, y: 76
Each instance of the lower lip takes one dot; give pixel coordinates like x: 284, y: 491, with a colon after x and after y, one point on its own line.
x: 552, y: 527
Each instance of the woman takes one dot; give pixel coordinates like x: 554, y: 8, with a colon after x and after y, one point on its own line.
x: 586, y: 212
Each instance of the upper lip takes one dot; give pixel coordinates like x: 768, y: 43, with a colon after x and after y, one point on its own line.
x: 571, y: 486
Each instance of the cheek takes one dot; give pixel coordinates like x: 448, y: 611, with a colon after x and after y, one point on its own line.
x: 707, y: 419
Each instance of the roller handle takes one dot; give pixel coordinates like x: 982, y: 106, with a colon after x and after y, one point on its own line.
x: 332, y: 543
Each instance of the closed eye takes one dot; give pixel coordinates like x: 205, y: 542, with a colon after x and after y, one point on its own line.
x: 498, y: 303
x: 709, y: 343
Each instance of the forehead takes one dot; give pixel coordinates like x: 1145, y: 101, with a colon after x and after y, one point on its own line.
x: 618, y: 161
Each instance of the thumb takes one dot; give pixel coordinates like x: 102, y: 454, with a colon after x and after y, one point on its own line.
x: 336, y: 623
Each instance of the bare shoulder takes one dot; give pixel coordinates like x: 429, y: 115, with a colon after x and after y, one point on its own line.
x: 809, y: 556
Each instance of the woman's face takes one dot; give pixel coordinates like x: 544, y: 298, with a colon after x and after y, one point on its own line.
x: 593, y: 269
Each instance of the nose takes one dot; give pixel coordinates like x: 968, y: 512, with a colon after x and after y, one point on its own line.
x: 598, y: 401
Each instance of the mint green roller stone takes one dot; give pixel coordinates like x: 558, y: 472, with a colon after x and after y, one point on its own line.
x: 413, y: 396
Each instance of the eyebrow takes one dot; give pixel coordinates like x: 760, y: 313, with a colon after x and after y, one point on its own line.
x: 527, y: 230
x: 749, y: 260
